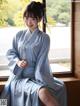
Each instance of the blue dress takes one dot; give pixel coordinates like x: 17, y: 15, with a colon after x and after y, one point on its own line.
x: 23, y: 84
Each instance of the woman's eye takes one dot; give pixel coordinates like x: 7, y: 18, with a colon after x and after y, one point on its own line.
x: 34, y: 18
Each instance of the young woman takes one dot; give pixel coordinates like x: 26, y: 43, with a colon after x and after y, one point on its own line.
x: 31, y: 82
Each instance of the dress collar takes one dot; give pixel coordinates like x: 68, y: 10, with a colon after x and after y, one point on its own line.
x: 32, y: 33
x: 29, y: 37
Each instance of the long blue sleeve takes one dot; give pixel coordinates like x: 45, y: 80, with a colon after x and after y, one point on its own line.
x: 42, y: 67
x: 13, y: 56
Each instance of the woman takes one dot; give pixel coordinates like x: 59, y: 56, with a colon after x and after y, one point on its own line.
x: 31, y: 83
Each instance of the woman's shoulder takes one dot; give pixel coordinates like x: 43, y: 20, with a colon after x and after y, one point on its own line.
x: 19, y: 34
x: 44, y: 35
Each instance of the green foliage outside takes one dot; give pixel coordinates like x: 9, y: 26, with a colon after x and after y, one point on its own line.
x: 51, y: 21
x: 3, y: 12
x: 11, y: 12
x: 59, y: 10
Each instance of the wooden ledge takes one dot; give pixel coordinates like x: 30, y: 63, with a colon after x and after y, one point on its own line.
x: 69, y: 79
x: 2, y: 83
x: 66, y: 80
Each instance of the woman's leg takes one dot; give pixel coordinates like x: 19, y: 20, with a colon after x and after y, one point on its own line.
x: 46, y: 98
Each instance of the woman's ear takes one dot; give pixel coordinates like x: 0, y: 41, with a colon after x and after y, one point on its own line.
x: 24, y: 18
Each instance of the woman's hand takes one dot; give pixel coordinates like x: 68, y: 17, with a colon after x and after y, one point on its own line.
x: 22, y: 63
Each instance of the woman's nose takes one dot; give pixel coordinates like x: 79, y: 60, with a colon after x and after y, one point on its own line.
x: 29, y: 21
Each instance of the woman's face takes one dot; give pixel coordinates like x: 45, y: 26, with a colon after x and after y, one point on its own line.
x: 31, y: 22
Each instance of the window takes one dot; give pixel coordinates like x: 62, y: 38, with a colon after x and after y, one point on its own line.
x: 58, y: 26
x: 58, y: 13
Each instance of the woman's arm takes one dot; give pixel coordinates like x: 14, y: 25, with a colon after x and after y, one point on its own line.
x: 13, y: 55
x: 42, y: 58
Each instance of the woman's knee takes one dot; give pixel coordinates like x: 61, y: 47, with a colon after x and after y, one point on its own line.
x: 43, y: 94
x: 47, y: 98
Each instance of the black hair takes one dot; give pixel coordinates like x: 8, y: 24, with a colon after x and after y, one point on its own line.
x: 35, y: 10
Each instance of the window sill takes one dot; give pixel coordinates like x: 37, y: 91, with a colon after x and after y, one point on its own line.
x: 4, y: 73
x: 69, y: 79
x: 66, y: 80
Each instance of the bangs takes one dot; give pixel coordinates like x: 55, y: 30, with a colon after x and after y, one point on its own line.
x: 31, y: 14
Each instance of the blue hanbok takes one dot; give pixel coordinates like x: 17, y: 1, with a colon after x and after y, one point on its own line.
x: 23, y: 84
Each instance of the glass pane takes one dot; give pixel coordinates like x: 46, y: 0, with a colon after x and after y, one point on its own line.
x: 11, y: 21
x: 59, y: 30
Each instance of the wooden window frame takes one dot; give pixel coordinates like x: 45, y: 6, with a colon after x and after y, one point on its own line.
x: 61, y: 74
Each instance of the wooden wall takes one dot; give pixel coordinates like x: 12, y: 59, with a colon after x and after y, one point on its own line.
x: 73, y: 91
x: 77, y: 38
